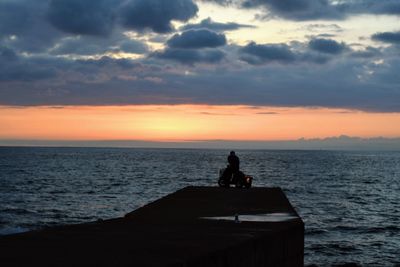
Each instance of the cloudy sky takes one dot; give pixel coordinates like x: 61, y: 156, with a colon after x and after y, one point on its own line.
x: 199, y: 69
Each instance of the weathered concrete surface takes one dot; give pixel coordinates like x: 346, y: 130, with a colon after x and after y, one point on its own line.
x: 170, y: 232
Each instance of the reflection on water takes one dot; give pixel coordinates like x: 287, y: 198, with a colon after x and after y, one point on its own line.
x: 268, y: 217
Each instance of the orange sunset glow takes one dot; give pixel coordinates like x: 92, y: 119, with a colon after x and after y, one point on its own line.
x: 191, y: 122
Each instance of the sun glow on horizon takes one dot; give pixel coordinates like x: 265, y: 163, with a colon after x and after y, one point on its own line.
x: 191, y: 122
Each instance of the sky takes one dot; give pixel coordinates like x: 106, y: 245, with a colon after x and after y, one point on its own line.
x: 199, y: 70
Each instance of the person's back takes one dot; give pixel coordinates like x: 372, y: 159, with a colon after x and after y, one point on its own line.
x: 233, y: 161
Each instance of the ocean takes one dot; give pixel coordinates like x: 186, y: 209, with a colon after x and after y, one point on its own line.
x: 349, y: 201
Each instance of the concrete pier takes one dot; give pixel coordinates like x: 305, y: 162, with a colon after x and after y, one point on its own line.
x: 194, y: 226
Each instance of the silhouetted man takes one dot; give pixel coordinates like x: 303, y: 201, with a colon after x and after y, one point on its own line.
x: 233, y: 161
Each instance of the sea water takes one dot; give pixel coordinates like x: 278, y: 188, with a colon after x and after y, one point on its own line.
x: 349, y: 201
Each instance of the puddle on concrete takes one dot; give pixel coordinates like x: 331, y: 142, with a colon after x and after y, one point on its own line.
x: 268, y: 217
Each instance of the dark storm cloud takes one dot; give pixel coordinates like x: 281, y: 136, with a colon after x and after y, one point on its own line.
x: 32, y: 72
x: 82, y: 17
x: 316, y: 9
x: 387, y: 37
x: 382, y: 7
x: 24, y: 27
x: 191, y: 56
x: 290, y: 9
x: 94, y: 17
x: 39, y: 26
x: 315, y: 58
x: 368, y: 52
x: 7, y: 54
x: 87, y: 45
x: 298, y: 9
x: 362, y: 85
x: 197, y: 39
x: 194, y: 46
x: 257, y: 54
x: 97, y: 65
x: 327, y: 46
x: 78, y: 46
x: 99, y: 17
x: 14, y: 17
x: 305, y: 85
x: 294, y: 53
x: 42, y: 25
x: 15, y: 68
x: 156, y: 14
x: 208, y: 23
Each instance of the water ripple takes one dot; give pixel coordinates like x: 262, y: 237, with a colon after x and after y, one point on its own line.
x: 349, y: 201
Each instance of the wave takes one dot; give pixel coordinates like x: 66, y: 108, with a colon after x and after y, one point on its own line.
x: 390, y: 228
x: 347, y: 264
x: 17, y: 211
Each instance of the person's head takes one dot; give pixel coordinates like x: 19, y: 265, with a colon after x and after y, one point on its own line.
x: 232, y: 153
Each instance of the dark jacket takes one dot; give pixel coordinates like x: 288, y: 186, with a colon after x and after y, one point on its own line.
x: 234, y: 162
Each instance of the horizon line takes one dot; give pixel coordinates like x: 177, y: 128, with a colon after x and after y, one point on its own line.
x: 342, y: 142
